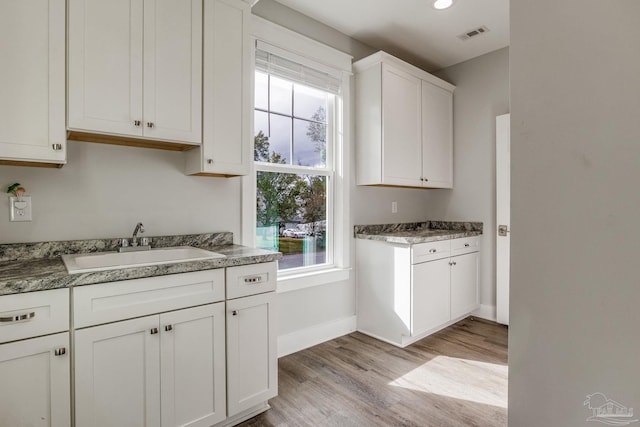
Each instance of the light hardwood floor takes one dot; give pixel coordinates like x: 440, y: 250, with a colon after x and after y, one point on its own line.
x: 456, y: 377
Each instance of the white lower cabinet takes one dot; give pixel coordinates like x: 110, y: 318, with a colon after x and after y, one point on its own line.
x: 166, y: 369
x: 431, y: 298
x: 464, y: 284
x: 35, y: 386
x: 252, y: 364
x: 406, y: 292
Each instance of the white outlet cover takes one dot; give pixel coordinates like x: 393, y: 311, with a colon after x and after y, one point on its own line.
x: 20, y: 210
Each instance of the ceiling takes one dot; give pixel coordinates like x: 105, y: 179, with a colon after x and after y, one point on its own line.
x: 412, y: 29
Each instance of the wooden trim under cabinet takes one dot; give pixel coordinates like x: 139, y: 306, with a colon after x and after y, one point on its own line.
x: 129, y: 141
x: 30, y: 164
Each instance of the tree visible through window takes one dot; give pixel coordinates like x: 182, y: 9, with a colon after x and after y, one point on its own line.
x: 293, y: 174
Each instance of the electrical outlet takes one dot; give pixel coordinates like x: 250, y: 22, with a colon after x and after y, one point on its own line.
x: 20, y: 210
x: 394, y: 207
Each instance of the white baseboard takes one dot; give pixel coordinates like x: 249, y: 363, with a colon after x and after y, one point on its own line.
x: 305, y: 338
x: 487, y: 312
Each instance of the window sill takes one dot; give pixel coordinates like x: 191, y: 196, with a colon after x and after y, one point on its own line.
x: 296, y: 282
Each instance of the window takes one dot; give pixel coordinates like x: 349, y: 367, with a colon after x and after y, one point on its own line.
x: 293, y: 154
x: 296, y: 200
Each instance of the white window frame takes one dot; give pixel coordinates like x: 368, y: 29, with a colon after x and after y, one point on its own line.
x: 319, y: 56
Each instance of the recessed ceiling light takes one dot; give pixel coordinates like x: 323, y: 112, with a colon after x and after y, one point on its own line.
x: 442, y: 4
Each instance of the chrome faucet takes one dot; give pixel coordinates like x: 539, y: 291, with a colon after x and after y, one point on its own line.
x: 139, y: 229
x: 134, y: 246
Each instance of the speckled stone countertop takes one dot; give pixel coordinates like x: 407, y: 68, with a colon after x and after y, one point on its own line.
x: 418, y: 232
x: 28, y: 267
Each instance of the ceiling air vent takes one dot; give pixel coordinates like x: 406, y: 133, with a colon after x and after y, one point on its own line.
x: 473, y: 33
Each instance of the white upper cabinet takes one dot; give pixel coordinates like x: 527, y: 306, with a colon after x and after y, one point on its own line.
x: 135, y: 69
x: 402, y: 130
x: 404, y: 125
x: 32, y: 83
x: 227, y: 97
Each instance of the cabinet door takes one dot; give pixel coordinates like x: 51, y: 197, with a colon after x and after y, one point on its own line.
x: 105, y: 66
x: 117, y: 374
x: 35, y: 387
x: 32, y: 81
x: 437, y: 136
x: 252, y: 364
x: 227, y: 93
x: 402, y: 140
x: 430, y: 299
x: 192, y: 359
x: 464, y: 284
x: 173, y: 70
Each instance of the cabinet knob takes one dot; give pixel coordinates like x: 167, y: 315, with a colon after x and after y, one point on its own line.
x: 136, y: 123
x: 454, y: 263
x: 433, y: 251
x: 153, y: 331
x: 234, y: 312
x: 56, y: 147
x: 150, y: 124
x: 60, y: 351
x: 466, y: 245
x: 168, y: 328
x: 209, y: 161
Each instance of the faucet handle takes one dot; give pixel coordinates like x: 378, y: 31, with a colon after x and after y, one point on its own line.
x: 144, y: 241
x: 124, y: 242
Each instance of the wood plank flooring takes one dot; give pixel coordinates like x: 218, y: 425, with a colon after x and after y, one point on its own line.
x: 456, y: 377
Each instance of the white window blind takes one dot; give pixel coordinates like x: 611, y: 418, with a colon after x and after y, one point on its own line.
x: 271, y: 60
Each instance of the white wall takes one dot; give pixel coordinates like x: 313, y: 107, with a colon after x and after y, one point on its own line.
x: 104, y: 190
x: 482, y: 93
x: 575, y: 132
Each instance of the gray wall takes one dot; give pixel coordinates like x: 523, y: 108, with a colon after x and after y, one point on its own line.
x: 575, y: 291
x: 482, y: 93
x: 104, y: 190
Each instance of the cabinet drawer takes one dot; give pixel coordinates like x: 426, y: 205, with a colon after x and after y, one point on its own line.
x: 251, y: 279
x: 465, y: 245
x: 422, y: 252
x: 33, y: 313
x: 109, y: 302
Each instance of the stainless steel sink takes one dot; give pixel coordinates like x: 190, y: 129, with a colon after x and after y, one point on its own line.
x: 85, y: 263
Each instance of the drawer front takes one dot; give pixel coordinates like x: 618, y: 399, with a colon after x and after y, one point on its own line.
x: 109, y: 302
x: 33, y: 314
x: 431, y: 251
x: 251, y: 279
x: 465, y: 245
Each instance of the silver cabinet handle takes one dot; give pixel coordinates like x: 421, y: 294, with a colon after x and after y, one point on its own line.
x: 433, y: 251
x: 234, y: 312
x: 137, y: 123
x: 56, y: 147
x: 153, y: 331
x: 150, y: 124
x: 168, y: 328
x: 252, y: 280
x: 60, y: 351
x: 18, y: 317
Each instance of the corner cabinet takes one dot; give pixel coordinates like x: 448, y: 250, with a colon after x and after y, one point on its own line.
x: 32, y: 83
x: 227, y: 97
x: 406, y: 292
x: 135, y: 71
x: 404, y: 125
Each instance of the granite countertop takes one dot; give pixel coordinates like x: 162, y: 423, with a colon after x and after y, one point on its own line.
x: 37, y: 266
x: 418, y: 232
